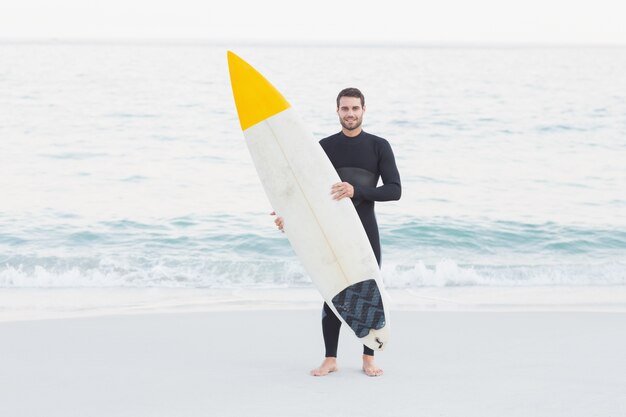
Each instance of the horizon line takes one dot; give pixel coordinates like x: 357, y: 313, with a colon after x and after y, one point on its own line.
x: 305, y: 43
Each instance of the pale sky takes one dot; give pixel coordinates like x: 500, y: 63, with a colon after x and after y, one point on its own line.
x: 293, y: 21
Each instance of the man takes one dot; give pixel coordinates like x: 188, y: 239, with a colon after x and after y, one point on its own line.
x: 360, y: 159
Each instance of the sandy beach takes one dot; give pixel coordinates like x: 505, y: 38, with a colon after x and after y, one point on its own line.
x: 157, y: 352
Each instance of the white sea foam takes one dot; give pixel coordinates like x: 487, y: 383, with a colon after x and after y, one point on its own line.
x: 289, y: 273
x: 448, y: 273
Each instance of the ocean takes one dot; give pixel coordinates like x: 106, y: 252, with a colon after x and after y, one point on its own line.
x: 123, y: 164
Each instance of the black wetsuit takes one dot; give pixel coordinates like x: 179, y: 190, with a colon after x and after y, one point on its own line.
x: 361, y: 161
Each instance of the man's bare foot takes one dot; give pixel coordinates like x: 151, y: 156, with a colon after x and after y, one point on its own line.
x: 369, y: 367
x: 329, y: 365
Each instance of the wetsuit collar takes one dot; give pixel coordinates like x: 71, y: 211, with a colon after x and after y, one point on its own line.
x: 352, y: 138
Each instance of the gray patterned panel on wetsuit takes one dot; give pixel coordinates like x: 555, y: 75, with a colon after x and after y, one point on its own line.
x: 357, y: 177
x: 361, y: 306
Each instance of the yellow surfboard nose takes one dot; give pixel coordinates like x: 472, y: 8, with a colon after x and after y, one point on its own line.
x: 256, y: 99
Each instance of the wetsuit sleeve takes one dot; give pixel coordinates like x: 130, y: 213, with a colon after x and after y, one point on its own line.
x: 391, y: 188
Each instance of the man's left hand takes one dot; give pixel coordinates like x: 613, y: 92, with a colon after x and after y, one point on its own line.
x: 342, y: 190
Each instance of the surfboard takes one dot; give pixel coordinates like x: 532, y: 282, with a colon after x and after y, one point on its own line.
x: 326, y: 235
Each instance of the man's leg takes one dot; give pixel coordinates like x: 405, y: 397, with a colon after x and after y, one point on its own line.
x: 369, y: 367
x: 331, y: 326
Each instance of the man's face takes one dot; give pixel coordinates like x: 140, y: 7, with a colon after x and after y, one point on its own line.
x: 350, y: 112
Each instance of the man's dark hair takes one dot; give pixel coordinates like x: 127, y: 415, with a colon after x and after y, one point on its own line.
x: 351, y: 92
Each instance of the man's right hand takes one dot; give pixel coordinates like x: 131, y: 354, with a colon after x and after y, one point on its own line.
x: 279, y: 221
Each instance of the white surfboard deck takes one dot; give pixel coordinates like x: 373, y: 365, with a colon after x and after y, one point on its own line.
x: 326, y: 235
